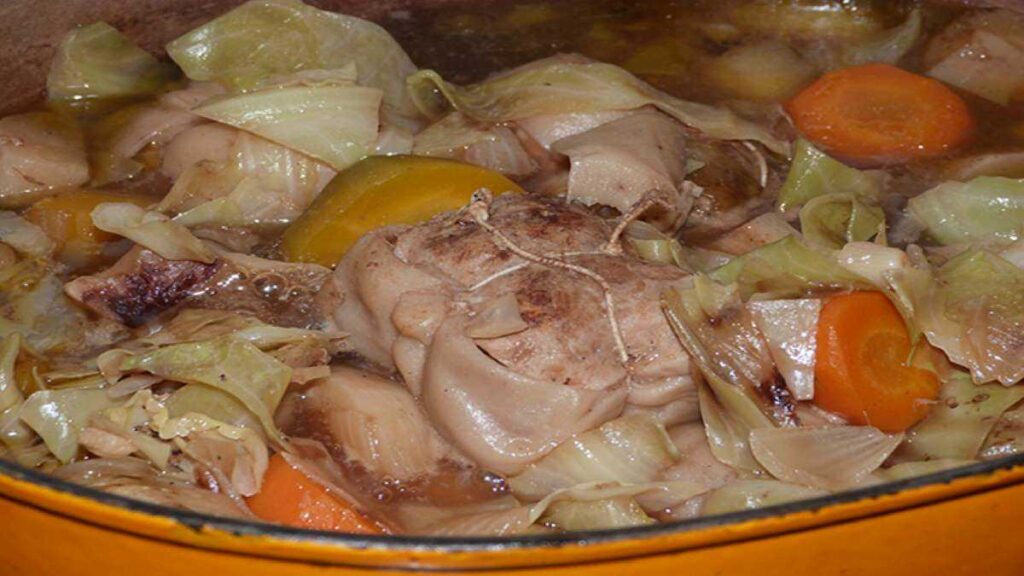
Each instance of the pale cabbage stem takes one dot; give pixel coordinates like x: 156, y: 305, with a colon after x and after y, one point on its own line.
x: 479, y: 210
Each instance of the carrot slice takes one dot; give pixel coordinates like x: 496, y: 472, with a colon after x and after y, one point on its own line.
x: 876, y: 113
x: 861, y: 370
x: 289, y: 497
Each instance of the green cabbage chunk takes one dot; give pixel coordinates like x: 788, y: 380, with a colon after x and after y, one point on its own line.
x: 97, y: 61
x: 972, y: 308
x: 265, y: 38
x: 960, y: 421
x: 59, y: 416
x: 814, y: 173
x: 986, y: 209
x: 628, y: 450
x: 573, y: 84
x: 335, y: 122
x: 607, y: 514
x: 262, y: 185
x: 831, y: 221
x: 786, y: 268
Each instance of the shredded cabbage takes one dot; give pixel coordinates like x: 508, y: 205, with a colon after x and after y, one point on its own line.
x: 988, y: 208
x: 573, y: 84
x: 97, y: 61
x: 236, y: 367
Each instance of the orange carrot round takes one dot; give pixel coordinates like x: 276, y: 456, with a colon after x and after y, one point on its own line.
x: 877, y: 113
x: 289, y: 497
x: 862, y: 372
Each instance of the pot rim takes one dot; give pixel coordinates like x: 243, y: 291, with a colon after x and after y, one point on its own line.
x: 463, y: 544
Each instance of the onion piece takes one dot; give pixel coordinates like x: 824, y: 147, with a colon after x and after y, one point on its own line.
x: 790, y: 330
x: 629, y: 450
x: 826, y: 458
x: 906, y: 470
x: 607, y: 514
x: 753, y: 494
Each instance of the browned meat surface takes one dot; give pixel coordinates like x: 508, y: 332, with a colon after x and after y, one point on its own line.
x: 142, y: 285
x: 505, y: 380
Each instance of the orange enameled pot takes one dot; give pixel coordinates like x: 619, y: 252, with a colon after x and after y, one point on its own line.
x: 964, y: 521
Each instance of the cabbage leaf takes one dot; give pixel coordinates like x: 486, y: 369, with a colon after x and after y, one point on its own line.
x: 254, y: 378
x: 814, y: 173
x: 13, y: 433
x: 573, y: 84
x: 753, y: 494
x: 151, y: 230
x: 986, y: 209
x: 59, y: 416
x: 334, y: 122
x: 831, y: 221
x: 959, y: 423
x: 262, y: 185
x: 265, y: 38
x: 628, y: 450
x: 786, y: 268
x: 827, y: 458
x: 97, y: 61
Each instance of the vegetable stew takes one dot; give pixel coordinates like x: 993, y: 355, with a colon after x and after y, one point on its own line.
x: 519, y: 268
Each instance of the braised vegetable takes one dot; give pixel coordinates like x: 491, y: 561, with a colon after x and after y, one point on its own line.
x: 877, y: 113
x: 66, y: 218
x: 862, y: 370
x: 290, y: 497
x: 379, y: 192
x: 757, y: 252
